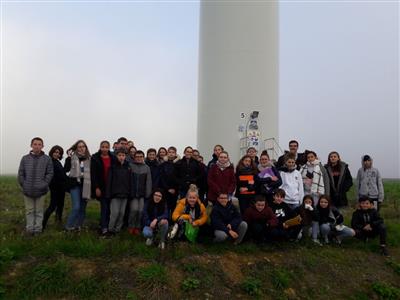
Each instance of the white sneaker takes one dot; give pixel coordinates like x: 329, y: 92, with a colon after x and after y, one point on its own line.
x: 161, y: 246
x: 149, y: 242
x: 317, y: 242
x: 173, y: 232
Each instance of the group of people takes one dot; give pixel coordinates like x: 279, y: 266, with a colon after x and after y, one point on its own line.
x: 163, y: 196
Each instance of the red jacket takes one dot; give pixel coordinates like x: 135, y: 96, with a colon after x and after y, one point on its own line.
x: 220, y: 182
x: 252, y: 215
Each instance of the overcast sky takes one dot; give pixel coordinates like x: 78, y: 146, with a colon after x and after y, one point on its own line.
x: 103, y: 70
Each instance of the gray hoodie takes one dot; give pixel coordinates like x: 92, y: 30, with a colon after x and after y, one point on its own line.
x: 369, y: 183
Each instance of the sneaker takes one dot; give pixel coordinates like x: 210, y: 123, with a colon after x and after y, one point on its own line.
x: 326, y: 240
x: 161, y: 246
x: 384, y: 251
x: 317, y: 242
x: 173, y: 232
x: 149, y: 242
x: 299, y: 236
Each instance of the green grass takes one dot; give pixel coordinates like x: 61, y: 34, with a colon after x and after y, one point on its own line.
x: 56, y: 265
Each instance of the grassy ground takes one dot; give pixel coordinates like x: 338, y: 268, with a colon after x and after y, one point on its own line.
x: 57, y: 265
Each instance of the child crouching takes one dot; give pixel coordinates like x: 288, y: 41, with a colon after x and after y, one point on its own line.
x: 227, y: 221
x: 367, y: 223
x: 329, y: 221
x: 189, y: 210
x: 155, y: 218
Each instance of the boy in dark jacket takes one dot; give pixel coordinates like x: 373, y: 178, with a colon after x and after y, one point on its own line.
x: 187, y: 172
x: 118, y: 189
x: 226, y: 221
x: 34, y: 176
x: 367, y: 223
x: 154, y: 165
x: 167, y: 179
x: 260, y: 219
x: 141, y: 190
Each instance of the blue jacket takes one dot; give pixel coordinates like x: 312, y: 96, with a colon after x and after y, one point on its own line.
x: 222, y: 216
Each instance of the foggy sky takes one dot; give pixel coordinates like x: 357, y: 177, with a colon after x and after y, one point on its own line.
x: 101, y: 70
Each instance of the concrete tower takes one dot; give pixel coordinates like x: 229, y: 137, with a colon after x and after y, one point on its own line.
x: 238, y: 72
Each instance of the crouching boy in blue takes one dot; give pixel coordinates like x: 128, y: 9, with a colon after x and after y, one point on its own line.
x: 367, y: 223
x: 226, y: 221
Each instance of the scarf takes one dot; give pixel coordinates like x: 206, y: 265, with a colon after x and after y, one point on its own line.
x: 223, y: 166
x: 317, y: 184
x: 81, y: 170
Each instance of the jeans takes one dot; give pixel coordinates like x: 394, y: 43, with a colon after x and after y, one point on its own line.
x: 221, y: 236
x: 34, y: 213
x: 117, y: 208
x: 325, y: 230
x: 78, y: 209
x: 104, y: 212
x: 148, y: 232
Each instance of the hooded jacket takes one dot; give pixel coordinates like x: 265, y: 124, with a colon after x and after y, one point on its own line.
x: 141, y: 180
x: 292, y: 184
x: 369, y: 183
x: 34, y: 174
x: 222, y: 216
x: 182, y: 211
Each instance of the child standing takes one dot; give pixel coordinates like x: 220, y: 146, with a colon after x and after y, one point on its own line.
x: 167, y: 179
x: 57, y: 186
x: 152, y: 162
x: 34, y: 176
x: 246, y: 172
x: 78, y: 166
x: 141, y: 190
x: 221, y: 178
x: 119, y: 189
x: 315, y: 178
x: 367, y: 223
x: 155, y: 218
x: 292, y: 183
x: 99, y: 169
x: 340, y: 179
x: 369, y: 182
x: 269, y: 179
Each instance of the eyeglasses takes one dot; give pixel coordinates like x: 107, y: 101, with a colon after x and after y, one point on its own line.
x: 157, y: 195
